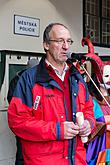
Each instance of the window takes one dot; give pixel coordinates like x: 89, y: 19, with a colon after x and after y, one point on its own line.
x: 96, y: 22
x: 11, y: 63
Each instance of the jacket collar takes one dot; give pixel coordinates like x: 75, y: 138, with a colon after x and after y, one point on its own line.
x: 42, y: 73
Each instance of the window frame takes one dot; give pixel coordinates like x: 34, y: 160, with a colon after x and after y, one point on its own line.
x: 99, y: 29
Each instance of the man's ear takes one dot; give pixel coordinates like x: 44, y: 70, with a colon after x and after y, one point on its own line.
x: 46, y: 46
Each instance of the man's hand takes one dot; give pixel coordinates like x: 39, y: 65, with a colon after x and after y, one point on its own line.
x: 70, y: 130
x: 85, y: 129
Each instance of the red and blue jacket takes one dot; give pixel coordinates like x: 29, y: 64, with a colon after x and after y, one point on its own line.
x: 37, y: 112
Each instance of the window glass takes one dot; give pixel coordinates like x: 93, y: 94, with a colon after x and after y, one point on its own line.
x: 97, y: 21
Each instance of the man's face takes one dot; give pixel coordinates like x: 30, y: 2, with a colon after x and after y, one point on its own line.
x: 106, y: 75
x: 59, y: 46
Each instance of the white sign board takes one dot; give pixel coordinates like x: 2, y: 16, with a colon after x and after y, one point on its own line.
x: 26, y: 25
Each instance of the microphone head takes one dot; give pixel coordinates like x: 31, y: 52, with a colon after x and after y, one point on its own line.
x: 78, y: 56
x: 74, y: 57
x: 69, y: 55
x: 70, y: 59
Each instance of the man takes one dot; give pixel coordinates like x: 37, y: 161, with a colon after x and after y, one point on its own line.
x: 46, y: 99
x: 32, y: 62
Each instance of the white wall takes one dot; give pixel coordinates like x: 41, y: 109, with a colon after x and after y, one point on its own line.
x: 7, y: 142
x: 68, y: 12
x: 47, y: 11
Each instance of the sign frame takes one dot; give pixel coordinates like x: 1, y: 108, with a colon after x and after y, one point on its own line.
x: 24, y: 25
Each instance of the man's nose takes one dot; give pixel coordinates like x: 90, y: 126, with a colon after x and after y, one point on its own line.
x: 65, y: 45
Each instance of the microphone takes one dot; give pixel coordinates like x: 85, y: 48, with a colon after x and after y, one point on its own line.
x: 73, y: 57
x: 78, y: 56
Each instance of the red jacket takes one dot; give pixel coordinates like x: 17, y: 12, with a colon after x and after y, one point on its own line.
x: 37, y: 112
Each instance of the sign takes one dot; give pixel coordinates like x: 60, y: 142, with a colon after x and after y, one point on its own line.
x: 26, y: 26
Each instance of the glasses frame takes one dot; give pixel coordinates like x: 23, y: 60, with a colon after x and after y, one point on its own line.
x: 61, y: 41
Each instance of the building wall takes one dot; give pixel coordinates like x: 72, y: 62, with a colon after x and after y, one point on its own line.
x: 7, y: 142
x: 68, y: 12
x: 47, y: 11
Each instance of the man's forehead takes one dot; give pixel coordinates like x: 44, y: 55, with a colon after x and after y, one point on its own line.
x: 57, y: 28
x: 59, y: 31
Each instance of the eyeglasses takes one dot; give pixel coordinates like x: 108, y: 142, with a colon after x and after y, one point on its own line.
x: 61, y: 41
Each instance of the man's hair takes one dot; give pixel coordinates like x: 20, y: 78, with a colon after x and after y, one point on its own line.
x: 46, y: 36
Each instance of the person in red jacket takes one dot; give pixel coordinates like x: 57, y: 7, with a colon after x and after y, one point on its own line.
x: 42, y: 112
x: 31, y: 62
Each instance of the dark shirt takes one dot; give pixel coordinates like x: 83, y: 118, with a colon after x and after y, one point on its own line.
x: 19, y: 157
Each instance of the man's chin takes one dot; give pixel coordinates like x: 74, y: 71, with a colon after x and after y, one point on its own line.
x: 63, y: 60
